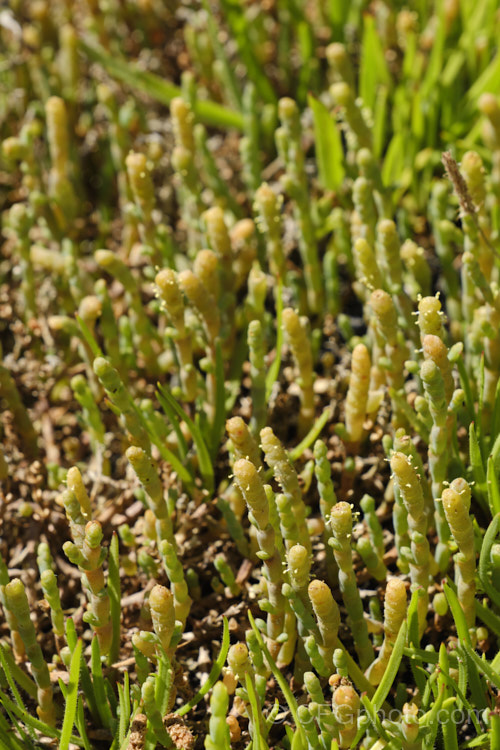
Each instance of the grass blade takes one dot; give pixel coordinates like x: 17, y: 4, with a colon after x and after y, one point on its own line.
x: 206, y: 468
x: 209, y: 113
x: 22, y: 679
x: 220, y: 402
x: 114, y: 597
x: 214, y: 673
x: 476, y: 689
x: 476, y: 461
x: 273, y: 372
x: 258, y: 741
x: 36, y: 724
x: 373, y: 69
x: 71, y: 697
x: 329, y: 152
x: 285, y: 688
x: 484, y: 560
x: 312, y: 435
x: 391, y: 670
x: 12, y: 685
x: 98, y: 685
x: 124, y: 702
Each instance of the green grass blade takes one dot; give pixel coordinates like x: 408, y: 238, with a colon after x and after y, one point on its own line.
x: 373, y: 68
x: 273, y: 372
x: 174, y: 421
x: 89, y: 338
x: 412, y: 618
x: 23, y: 680
x: 71, y: 636
x: 238, y: 23
x: 482, y: 664
x: 220, y: 402
x: 86, y: 682
x: 98, y: 685
x: 374, y: 719
x: 124, y: 702
x: 14, y: 722
x: 12, y: 684
x: 476, y: 689
x: 435, y: 65
x: 329, y: 152
x: 258, y: 741
x: 476, y: 461
x: 312, y: 435
x: 285, y: 688
x: 458, y: 615
x: 380, y: 121
x: 495, y: 417
x: 466, y: 385
x: 114, y: 597
x: 209, y: 113
x: 490, y: 619
x: 484, y: 560
x: 394, y: 160
x: 453, y: 686
x: 489, y: 80
x: 492, y: 486
x: 71, y: 697
x: 391, y: 670
x: 206, y: 467
x: 81, y: 724
x: 214, y: 673
x: 35, y: 724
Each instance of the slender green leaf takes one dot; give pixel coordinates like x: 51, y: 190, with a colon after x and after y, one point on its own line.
x: 81, y: 724
x: 206, y: 467
x: 476, y: 460
x: 452, y: 685
x: 380, y: 121
x: 71, y: 697
x: 86, y: 682
x: 220, y: 402
x: 373, y: 68
x: 435, y: 66
x: 214, y: 673
x: 207, y: 112
x: 476, y: 688
x: 273, y: 372
x: 89, y: 338
x: 495, y: 417
x: 394, y: 160
x: 39, y: 726
x: 22, y: 679
x: 98, y: 685
x: 114, y: 597
x: 259, y: 742
x: 374, y: 719
x: 391, y: 670
x: 312, y: 435
x: 285, y: 688
x: 14, y: 722
x: 175, y: 422
x: 489, y: 80
x: 466, y: 385
x: 124, y: 703
x: 238, y: 21
x: 482, y: 664
x: 329, y: 152
x: 490, y: 619
x: 484, y: 560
